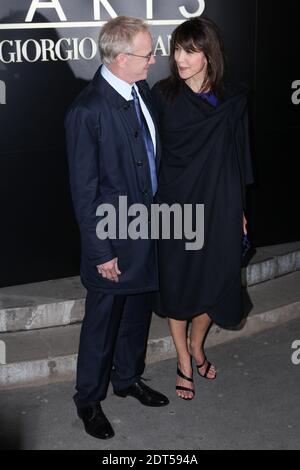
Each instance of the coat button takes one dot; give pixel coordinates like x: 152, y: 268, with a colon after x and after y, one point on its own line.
x: 139, y: 163
x: 136, y: 134
x: 145, y: 193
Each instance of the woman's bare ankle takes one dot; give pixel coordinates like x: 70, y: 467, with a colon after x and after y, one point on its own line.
x: 184, y: 362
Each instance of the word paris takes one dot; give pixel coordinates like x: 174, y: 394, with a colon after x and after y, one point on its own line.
x: 158, y: 222
x: 77, y: 48
x: 37, y: 4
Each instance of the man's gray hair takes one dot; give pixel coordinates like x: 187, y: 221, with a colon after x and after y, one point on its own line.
x: 117, y: 36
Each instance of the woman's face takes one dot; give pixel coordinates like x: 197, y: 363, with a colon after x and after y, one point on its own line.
x: 190, y: 64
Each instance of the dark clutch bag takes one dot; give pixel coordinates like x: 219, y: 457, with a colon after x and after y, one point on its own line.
x: 246, y: 245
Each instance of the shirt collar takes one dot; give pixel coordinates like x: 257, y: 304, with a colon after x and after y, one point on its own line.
x: 122, y: 87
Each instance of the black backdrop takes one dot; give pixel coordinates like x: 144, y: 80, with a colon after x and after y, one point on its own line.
x: 39, y: 238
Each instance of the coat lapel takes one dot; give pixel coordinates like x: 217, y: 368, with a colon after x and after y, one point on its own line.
x: 117, y: 101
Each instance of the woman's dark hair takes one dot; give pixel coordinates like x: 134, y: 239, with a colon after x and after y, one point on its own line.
x: 195, y: 35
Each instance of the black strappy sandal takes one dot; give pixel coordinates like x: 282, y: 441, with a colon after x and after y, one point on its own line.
x: 185, y: 389
x: 208, y: 367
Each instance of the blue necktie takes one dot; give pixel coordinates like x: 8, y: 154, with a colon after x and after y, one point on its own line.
x: 147, y: 139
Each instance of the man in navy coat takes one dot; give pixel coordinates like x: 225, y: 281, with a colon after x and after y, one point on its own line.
x: 113, y: 151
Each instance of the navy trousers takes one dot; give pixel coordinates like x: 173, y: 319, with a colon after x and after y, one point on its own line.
x: 113, y: 342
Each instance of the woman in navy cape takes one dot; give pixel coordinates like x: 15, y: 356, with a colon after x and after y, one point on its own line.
x: 205, y: 160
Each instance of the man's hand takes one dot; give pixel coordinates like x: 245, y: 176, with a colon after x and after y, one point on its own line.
x: 244, y: 224
x: 110, y: 270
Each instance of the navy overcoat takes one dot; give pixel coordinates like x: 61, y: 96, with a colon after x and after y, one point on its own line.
x: 107, y: 159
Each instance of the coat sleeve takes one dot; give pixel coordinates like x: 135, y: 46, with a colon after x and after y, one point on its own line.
x: 242, y: 139
x: 82, y: 134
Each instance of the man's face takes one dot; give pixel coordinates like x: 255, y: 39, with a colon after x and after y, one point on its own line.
x: 137, y: 67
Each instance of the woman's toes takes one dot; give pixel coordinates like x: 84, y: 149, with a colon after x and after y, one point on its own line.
x: 212, y: 372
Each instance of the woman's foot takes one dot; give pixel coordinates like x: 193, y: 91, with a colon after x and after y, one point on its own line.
x: 207, y: 370
x: 184, y: 382
x: 204, y: 367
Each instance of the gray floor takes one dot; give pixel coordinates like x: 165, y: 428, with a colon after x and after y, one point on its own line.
x: 253, y: 404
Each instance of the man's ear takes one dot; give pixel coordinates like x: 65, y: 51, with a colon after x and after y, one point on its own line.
x: 121, y: 60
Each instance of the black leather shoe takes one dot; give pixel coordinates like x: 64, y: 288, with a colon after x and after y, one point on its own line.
x: 146, y: 395
x: 95, y: 422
